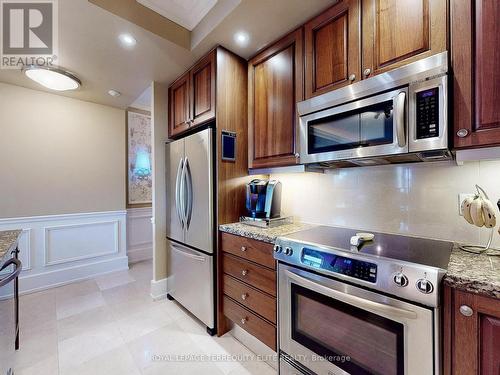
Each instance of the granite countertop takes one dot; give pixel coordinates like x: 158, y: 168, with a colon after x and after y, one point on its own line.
x: 8, y: 242
x: 473, y: 273
x: 263, y: 234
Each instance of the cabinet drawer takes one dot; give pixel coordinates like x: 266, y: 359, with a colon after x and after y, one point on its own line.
x: 251, y: 298
x: 256, y: 251
x: 250, y: 322
x: 252, y: 274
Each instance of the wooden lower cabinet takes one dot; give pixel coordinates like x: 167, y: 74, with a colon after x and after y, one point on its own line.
x: 247, y: 282
x: 471, y: 333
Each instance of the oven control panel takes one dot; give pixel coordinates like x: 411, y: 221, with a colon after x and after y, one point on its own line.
x: 427, y: 103
x: 335, y: 263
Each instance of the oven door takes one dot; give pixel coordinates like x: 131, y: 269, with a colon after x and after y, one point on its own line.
x: 370, y: 127
x: 333, y: 328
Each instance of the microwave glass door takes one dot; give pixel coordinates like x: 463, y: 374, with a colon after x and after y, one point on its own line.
x: 334, y: 133
x: 367, y: 126
x: 336, y: 331
x: 377, y: 124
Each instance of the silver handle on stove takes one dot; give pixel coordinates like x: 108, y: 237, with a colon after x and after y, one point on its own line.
x: 353, y: 300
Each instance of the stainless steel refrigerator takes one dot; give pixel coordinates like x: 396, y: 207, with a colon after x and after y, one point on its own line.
x: 190, y: 224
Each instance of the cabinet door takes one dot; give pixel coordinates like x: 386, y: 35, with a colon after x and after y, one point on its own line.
x: 178, y: 97
x: 203, y: 90
x: 275, y: 85
x: 472, y: 334
x: 399, y: 32
x: 332, y: 48
x: 475, y: 51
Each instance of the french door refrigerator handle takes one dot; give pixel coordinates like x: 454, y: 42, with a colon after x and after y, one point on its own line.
x: 181, y: 251
x: 351, y: 299
x: 189, y: 198
x: 178, y: 192
x: 14, y: 274
x: 183, y: 195
x: 399, y: 116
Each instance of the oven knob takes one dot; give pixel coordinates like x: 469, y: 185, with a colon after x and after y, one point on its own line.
x: 425, y: 286
x: 400, y: 279
x: 277, y: 248
x: 288, y: 251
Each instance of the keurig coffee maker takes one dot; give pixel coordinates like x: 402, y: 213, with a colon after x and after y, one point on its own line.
x: 263, y: 199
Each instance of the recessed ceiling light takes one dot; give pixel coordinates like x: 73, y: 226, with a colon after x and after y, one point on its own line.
x: 127, y: 40
x: 52, y: 78
x: 114, y: 93
x: 242, y: 38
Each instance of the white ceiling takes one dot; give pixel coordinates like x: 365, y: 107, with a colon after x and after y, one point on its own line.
x: 89, y: 47
x: 187, y: 13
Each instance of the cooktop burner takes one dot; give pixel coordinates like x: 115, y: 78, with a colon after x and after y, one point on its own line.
x: 422, y: 251
x: 408, y: 267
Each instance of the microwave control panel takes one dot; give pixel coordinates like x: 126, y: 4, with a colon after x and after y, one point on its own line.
x: 427, y: 103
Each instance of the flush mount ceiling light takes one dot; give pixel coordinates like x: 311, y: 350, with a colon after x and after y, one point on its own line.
x: 114, y: 93
x: 242, y: 38
x: 52, y: 78
x: 127, y: 41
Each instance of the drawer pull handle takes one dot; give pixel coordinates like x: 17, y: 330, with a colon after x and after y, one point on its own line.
x: 466, y: 310
x: 243, y: 248
x: 244, y: 272
x: 244, y: 296
x: 244, y: 320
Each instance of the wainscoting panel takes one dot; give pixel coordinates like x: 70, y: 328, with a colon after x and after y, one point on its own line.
x: 139, y: 234
x: 60, y: 249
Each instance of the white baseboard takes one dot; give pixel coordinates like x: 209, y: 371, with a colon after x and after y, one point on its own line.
x: 60, y: 249
x: 159, y: 289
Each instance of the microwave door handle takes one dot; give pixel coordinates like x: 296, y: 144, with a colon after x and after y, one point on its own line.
x: 353, y: 300
x: 178, y: 192
x: 399, y: 102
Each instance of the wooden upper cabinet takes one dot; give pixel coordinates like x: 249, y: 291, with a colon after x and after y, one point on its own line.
x: 192, y: 97
x: 179, y: 106
x: 275, y: 85
x: 398, y: 32
x: 332, y: 48
x: 475, y: 52
x: 202, y: 77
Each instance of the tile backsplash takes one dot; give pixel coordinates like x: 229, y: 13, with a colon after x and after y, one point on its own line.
x: 416, y: 199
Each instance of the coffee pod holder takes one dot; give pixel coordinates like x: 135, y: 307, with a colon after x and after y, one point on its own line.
x: 475, y: 249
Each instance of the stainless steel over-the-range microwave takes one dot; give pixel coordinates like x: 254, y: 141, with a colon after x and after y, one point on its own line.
x: 394, y: 117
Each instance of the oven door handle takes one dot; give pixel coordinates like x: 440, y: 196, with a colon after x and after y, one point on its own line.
x: 399, y: 116
x: 353, y: 300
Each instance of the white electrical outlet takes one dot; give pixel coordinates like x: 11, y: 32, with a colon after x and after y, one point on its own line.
x: 461, y: 198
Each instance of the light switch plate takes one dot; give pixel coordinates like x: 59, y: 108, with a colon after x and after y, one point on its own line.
x: 461, y: 198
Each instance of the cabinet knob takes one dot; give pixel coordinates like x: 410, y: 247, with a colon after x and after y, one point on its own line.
x: 244, y: 320
x: 367, y: 72
x: 243, y: 248
x: 244, y: 272
x: 352, y: 77
x: 462, y: 133
x: 466, y: 310
x: 244, y: 296
x: 297, y: 155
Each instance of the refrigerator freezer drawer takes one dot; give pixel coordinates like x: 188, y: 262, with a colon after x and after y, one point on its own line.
x: 191, y: 281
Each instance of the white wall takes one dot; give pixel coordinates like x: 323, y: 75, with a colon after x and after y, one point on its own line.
x: 59, y: 155
x: 62, y: 180
x: 59, y: 249
x: 417, y: 199
x: 139, y: 234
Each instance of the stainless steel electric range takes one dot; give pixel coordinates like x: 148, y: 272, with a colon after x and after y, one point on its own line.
x: 348, y: 306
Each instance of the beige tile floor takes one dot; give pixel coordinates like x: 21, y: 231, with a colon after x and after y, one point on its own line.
x: 110, y: 325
